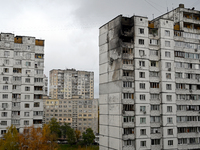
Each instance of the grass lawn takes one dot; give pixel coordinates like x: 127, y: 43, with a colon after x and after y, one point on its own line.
x: 77, y: 147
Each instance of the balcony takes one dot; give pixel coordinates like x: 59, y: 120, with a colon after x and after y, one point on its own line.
x: 15, y: 107
x: 128, y: 124
x: 128, y: 136
x: 129, y: 147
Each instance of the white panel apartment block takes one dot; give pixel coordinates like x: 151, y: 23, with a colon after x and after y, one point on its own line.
x: 21, y: 81
x: 149, y: 75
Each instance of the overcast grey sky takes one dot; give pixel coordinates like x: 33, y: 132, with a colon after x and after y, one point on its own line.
x: 70, y: 28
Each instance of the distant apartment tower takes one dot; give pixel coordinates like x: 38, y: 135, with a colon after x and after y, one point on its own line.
x: 64, y: 84
x: 21, y: 81
x: 150, y: 82
x: 78, y: 113
x: 45, y: 88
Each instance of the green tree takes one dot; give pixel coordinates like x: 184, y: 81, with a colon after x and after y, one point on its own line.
x: 88, y: 137
x: 64, y: 129
x: 71, y: 136
x: 55, y: 127
x: 10, y: 139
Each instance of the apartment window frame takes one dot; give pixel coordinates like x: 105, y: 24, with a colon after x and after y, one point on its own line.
x: 141, y: 30
x: 142, y: 85
x: 141, y: 41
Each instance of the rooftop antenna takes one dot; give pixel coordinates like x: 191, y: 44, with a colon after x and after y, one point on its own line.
x: 153, y: 16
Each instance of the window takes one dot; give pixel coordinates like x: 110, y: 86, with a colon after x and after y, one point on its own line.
x: 26, y: 105
x: 155, y: 141
x: 141, y: 52
x: 155, y: 130
x: 36, y: 104
x: 4, y: 114
x: 28, y: 72
x: 142, y: 97
x: 155, y: 119
x: 167, y: 33
x: 142, y: 131
x: 153, y: 42
x: 27, y: 80
x: 6, y: 70
x: 168, y: 75
x: 26, y: 122
x: 169, y: 97
x: 142, y: 120
x: 142, y: 85
x: 27, y: 88
x: 142, y: 143
x: 6, y: 53
x: 27, y: 96
x: 28, y: 64
x: 167, y: 54
x: 168, y: 87
x: 154, y: 96
x: 142, y: 74
x: 153, y: 74
x: 128, y: 131
x: 178, y: 75
x: 16, y: 78
x: 5, y: 96
x: 141, y: 41
x: 167, y: 65
x: 3, y: 132
x: 129, y: 143
x: 128, y: 119
x: 4, y: 123
x: 170, y: 142
x: 26, y: 114
x: 142, y: 108
x: 182, y: 141
x: 153, y: 52
x: 5, y: 87
x: 141, y: 31
x: 6, y: 61
x: 4, y: 105
x: 128, y: 107
x: 169, y: 108
x: 153, y: 63
x: 169, y: 120
x: 127, y: 84
x: 167, y: 43
x: 170, y: 131
x: 5, y: 78
x: 128, y: 96
x: 154, y: 85
x: 142, y: 63
x: 155, y: 107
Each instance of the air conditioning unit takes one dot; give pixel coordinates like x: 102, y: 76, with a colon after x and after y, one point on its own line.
x: 6, y: 82
x: 190, y: 91
x: 195, y: 50
x: 4, y: 108
x: 169, y: 69
x: 2, y: 73
x: 28, y: 75
x: 3, y: 64
x: 144, y: 112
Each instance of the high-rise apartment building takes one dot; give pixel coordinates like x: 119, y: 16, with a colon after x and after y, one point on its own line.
x: 150, y: 82
x: 65, y: 84
x: 78, y: 113
x: 21, y: 81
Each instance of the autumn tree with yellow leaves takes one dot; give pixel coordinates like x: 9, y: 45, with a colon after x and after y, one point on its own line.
x: 31, y: 139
